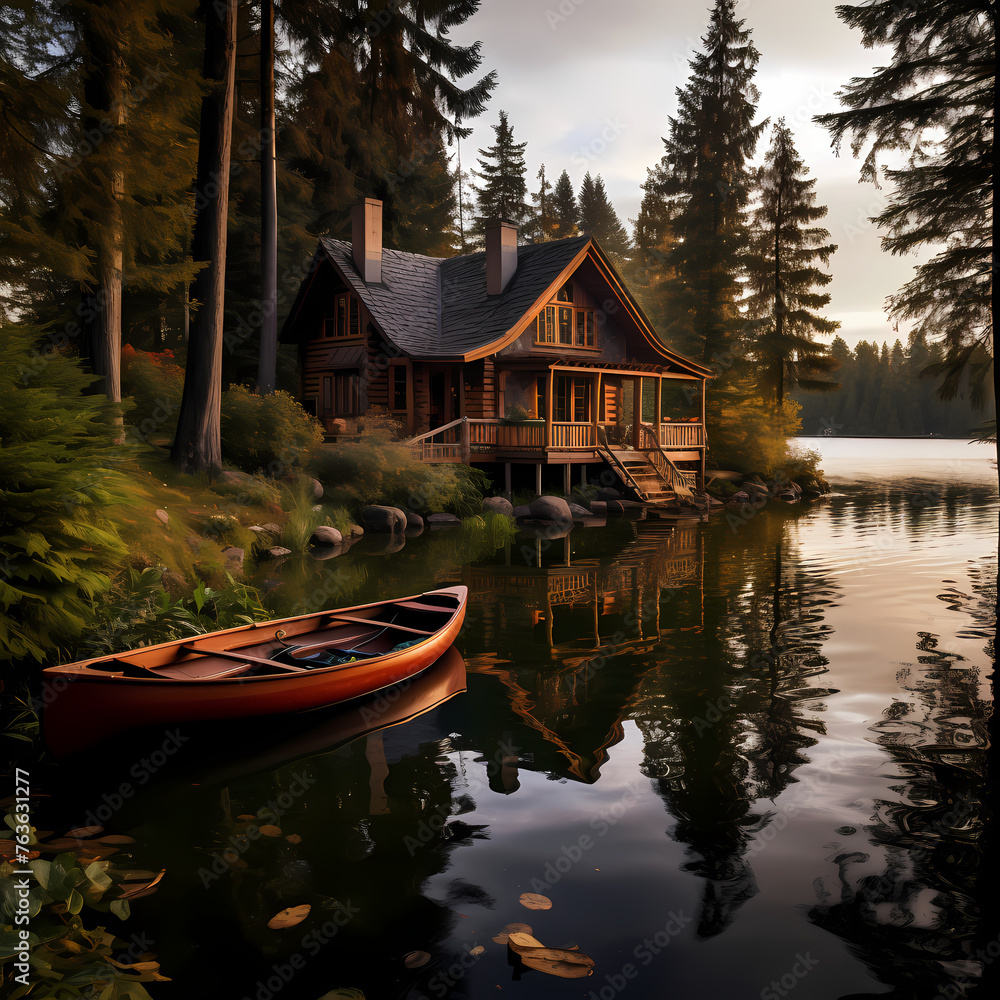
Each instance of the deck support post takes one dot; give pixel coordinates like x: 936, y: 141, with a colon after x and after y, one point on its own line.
x: 583, y: 476
x: 506, y: 480
x: 538, y: 479
x: 567, y: 479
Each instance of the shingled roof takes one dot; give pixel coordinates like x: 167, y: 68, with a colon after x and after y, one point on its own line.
x: 438, y: 308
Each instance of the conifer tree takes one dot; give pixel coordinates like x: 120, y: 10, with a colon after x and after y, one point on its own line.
x: 654, y: 236
x: 502, y: 172
x: 545, y: 223
x: 598, y: 217
x: 198, y: 443
x: 564, y: 207
x: 934, y: 102
x: 704, y: 174
x: 783, y: 277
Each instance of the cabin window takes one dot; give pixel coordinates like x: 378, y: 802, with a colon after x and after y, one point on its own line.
x: 341, y: 396
x: 565, y: 294
x: 541, y: 384
x: 397, y: 387
x: 563, y: 325
x: 345, y: 317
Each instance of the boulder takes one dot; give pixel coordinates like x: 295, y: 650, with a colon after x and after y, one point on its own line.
x: 414, y: 520
x: 233, y: 478
x: 577, y: 512
x: 497, y: 505
x: 608, y: 493
x: 275, y: 529
x: 548, y: 508
x: 234, y: 559
x: 257, y: 529
x: 385, y: 520
x: 357, y: 531
x: 316, y: 486
x: 325, y: 535
x: 754, y: 489
x: 277, y: 551
x: 522, y: 511
x: 163, y: 516
x: 443, y: 520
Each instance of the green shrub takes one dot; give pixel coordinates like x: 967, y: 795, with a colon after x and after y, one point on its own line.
x: 155, y: 384
x: 269, y: 433
x: 57, y: 481
x: 376, y: 470
x: 751, y: 435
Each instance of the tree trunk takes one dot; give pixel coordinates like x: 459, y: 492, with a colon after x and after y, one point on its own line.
x: 104, y: 94
x: 198, y: 445
x: 268, y: 357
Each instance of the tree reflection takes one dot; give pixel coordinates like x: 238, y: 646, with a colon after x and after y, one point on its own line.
x: 724, y: 724
x: 916, y: 920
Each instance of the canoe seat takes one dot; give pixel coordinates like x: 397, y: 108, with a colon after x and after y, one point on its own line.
x: 200, y: 670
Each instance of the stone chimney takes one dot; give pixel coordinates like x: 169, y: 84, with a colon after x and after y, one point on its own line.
x: 366, y: 240
x: 501, y: 255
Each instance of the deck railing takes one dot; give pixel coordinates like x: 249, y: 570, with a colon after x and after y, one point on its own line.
x: 570, y: 435
x: 681, y: 435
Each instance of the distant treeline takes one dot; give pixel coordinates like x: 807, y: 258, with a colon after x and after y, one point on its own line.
x: 883, y: 393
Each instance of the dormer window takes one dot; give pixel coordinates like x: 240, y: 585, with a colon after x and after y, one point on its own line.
x: 565, y: 326
x: 565, y: 294
x: 344, y: 319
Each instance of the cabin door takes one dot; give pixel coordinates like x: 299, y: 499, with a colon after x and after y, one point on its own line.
x: 443, y: 392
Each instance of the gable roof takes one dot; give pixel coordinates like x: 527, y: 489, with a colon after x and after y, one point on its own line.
x: 437, y: 308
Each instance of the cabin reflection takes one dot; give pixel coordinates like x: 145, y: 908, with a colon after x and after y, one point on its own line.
x: 575, y: 637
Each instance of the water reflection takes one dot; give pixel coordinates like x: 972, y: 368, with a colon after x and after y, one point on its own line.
x: 913, y: 917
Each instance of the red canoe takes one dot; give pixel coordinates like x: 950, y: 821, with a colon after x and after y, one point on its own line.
x: 265, y: 669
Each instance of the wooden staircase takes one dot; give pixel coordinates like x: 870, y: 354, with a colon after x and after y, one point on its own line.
x: 650, y: 474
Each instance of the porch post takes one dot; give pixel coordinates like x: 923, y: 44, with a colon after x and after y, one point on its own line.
x: 506, y: 479
x: 538, y: 479
x: 636, y: 409
x: 658, y: 413
x: 548, y: 411
x: 704, y: 432
x: 596, y: 407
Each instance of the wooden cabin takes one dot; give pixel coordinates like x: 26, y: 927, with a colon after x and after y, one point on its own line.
x: 532, y: 354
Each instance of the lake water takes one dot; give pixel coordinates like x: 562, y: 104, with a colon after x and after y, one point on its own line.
x: 741, y: 758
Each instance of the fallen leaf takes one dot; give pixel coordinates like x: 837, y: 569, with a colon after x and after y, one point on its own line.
x: 533, y: 901
x: 478, y: 950
x: 554, y: 955
x: 289, y: 917
x: 506, y: 931
x: 415, y: 959
x: 84, y: 831
x: 564, y: 970
x: 117, y: 838
x: 270, y: 831
x: 293, y: 838
x: 519, y: 940
x: 246, y: 818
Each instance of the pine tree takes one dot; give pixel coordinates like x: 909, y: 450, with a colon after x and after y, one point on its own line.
x: 564, y: 207
x: 93, y: 94
x: 599, y: 219
x: 783, y: 275
x: 933, y: 101
x: 705, y: 175
x: 654, y: 236
x: 502, y: 171
x: 544, y: 226
x: 198, y: 444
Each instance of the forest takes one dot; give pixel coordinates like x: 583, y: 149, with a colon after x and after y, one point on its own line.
x: 167, y: 167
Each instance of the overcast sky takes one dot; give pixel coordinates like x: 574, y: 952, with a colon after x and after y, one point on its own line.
x: 589, y: 85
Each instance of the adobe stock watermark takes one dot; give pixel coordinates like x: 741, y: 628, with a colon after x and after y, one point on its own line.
x: 804, y: 964
x: 643, y: 953
x: 239, y: 843
x: 571, y: 854
x: 590, y: 151
x: 442, y: 982
x: 142, y: 771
